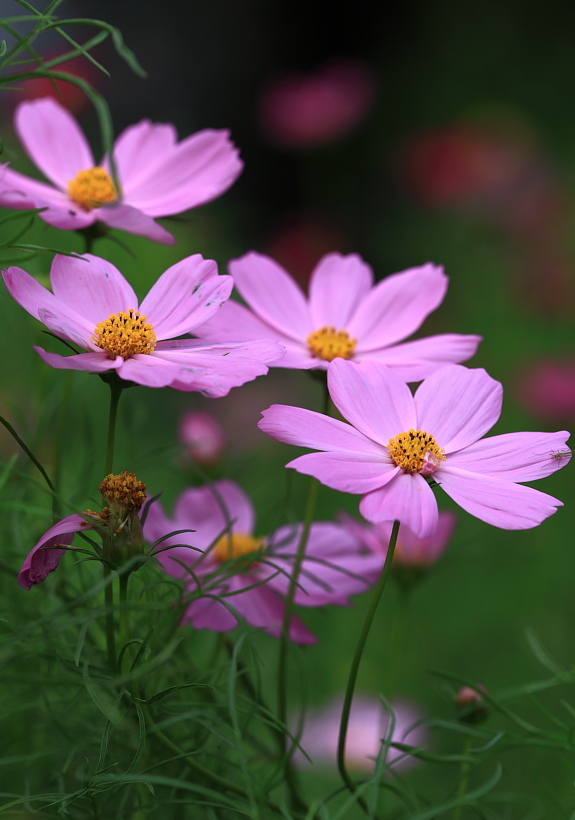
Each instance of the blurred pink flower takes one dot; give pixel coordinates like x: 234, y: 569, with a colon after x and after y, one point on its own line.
x: 299, y: 111
x: 45, y: 556
x: 395, y: 442
x: 411, y: 552
x: 94, y: 307
x: 157, y: 176
x: 547, y: 388
x: 369, y: 725
x: 222, y: 519
x: 202, y: 437
x: 345, y: 316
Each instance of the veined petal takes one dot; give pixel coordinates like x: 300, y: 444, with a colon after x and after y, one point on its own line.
x: 370, y: 396
x: 397, y: 306
x: 272, y: 294
x: 496, y: 501
x: 139, y: 151
x: 417, y: 360
x: 186, y: 295
x: 128, y: 218
x: 347, y: 472
x: 407, y: 499
x: 305, y: 428
x: 337, y: 286
x: 514, y: 456
x: 92, y: 362
x: 53, y: 140
x: 457, y: 406
x: 91, y: 286
x: 45, y: 557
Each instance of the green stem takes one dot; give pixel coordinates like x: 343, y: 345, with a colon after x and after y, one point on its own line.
x: 343, y: 727
x: 110, y: 627
x: 464, y: 778
x: 124, y: 579
x: 397, y: 640
x: 115, y: 393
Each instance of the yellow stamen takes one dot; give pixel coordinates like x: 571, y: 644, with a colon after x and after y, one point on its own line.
x: 329, y: 344
x: 125, y: 334
x: 92, y: 188
x: 235, y: 545
x: 123, y: 492
x: 416, y: 452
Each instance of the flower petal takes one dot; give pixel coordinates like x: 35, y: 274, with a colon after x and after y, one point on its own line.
x: 408, y: 499
x: 272, y: 294
x: 210, y: 510
x: 515, y: 456
x: 44, y: 558
x: 53, y: 140
x: 457, y: 406
x: 139, y: 151
x: 417, y: 360
x: 346, y: 472
x: 337, y: 286
x: 22, y: 193
x: 91, y: 286
x: 149, y: 370
x: 397, y: 306
x: 497, y: 502
x: 92, y: 362
x: 186, y: 295
x: 373, y: 398
x: 131, y: 219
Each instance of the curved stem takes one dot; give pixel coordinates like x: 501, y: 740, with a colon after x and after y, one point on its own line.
x: 344, y: 723
x: 115, y: 393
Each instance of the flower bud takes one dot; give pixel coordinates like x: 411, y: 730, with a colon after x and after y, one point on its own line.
x: 122, y: 530
x: 202, y: 437
x: 474, y: 708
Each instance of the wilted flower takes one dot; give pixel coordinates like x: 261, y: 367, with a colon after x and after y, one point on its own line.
x: 395, y: 442
x: 202, y: 437
x: 157, y: 176
x: 346, y: 316
x: 94, y: 307
x: 547, y: 388
x: 370, y: 725
x: 219, y: 557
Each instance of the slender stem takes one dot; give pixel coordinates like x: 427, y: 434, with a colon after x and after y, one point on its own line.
x: 397, y: 640
x: 115, y: 393
x: 110, y: 627
x: 343, y: 727
x: 464, y: 775
x: 124, y: 579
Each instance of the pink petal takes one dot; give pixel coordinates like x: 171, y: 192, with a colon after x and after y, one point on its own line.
x: 515, y: 456
x: 414, y: 361
x: 92, y: 362
x: 149, y: 370
x: 186, y: 295
x: 69, y: 325
x: 346, y: 472
x: 458, y: 406
x: 195, y: 171
x: 370, y: 396
x: 138, y: 152
x: 337, y: 286
x: 304, y: 428
x: 397, y: 306
x: 272, y: 294
x: 53, y: 140
x: 43, y: 559
x: 131, y: 219
x: 209, y: 510
x: 498, y: 502
x: 91, y: 286
x: 423, y: 552
x: 408, y: 499
x: 22, y: 193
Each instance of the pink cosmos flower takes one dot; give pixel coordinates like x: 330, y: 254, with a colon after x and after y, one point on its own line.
x: 346, y: 316
x: 157, y: 176
x: 222, y: 518
x: 202, y: 437
x: 411, y: 552
x: 396, y: 441
x: 94, y: 307
x: 45, y: 556
x: 369, y: 726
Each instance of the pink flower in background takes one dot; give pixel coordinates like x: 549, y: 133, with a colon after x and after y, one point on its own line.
x: 395, y: 441
x: 346, y: 315
x: 299, y: 111
x: 157, y: 176
x: 369, y: 725
x: 45, y: 556
x: 547, y: 388
x: 222, y: 518
x: 94, y: 307
x: 202, y: 437
x: 411, y: 552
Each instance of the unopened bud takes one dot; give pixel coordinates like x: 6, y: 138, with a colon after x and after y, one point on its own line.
x: 474, y: 708
x: 124, y: 536
x: 202, y: 437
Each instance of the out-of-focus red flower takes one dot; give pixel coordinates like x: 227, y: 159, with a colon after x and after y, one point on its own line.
x: 301, y: 111
x: 202, y: 437
x: 71, y: 97
x: 547, y: 389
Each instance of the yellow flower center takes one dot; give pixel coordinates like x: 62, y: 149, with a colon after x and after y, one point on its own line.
x: 416, y: 452
x: 92, y: 188
x: 234, y: 545
x: 123, y: 492
x: 125, y: 334
x: 329, y: 344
